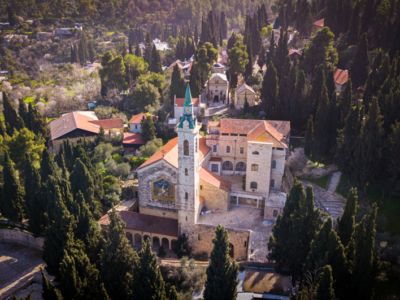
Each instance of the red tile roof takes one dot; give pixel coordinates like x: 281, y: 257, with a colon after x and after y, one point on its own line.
x: 136, y: 119
x: 109, y: 123
x: 319, y: 23
x: 179, y: 102
x: 147, y: 223
x: 170, y: 154
x: 133, y: 139
x: 213, y: 123
x: 215, y: 180
x: 283, y: 127
x: 70, y: 122
x: 341, y: 76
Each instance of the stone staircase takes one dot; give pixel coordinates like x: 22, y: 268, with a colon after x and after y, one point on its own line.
x: 334, y: 181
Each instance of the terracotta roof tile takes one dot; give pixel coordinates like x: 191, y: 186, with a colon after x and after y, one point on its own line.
x: 244, y: 87
x: 109, y: 123
x: 215, y: 180
x: 179, y: 102
x: 341, y: 76
x: 213, y: 123
x: 171, y: 153
x: 283, y: 127
x: 70, y: 122
x: 319, y: 23
x: 133, y: 138
x: 147, y: 223
x: 136, y: 119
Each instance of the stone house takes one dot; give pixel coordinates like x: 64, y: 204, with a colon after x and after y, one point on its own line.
x: 341, y: 77
x: 242, y: 92
x: 218, y: 68
x: 132, y: 142
x: 217, y: 89
x: 135, y: 123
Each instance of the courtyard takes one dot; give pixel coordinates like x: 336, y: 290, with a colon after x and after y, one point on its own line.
x: 248, y: 219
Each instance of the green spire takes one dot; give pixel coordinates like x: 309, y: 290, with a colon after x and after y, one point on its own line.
x: 276, y: 24
x: 188, y: 97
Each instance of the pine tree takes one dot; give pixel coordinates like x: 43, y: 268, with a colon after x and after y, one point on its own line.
x: 147, y: 280
x: 148, y: 129
x: 47, y: 166
x: 346, y: 223
x: 270, y: 90
x: 359, y: 67
x: 324, y: 287
x: 117, y: 259
x: 11, y: 118
x: 33, y: 198
x: 308, y: 141
x: 12, y: 204
x: 222, y: 274
x: 155, y: 65
x: 294, y: 230
x: 48, y: 291
x: 369, y: 145
x: 322, y: 127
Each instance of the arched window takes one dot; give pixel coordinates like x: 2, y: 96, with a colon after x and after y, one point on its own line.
x: 254, y: 167
x: 227, y: 166
x: 186, y: 147
x: 253, y: 185
x: 186, y: 172
x: 272, y: 183
x: 274, y: 164
x: 186, y: 196
x: 255, y: 153
x: 241, y: 166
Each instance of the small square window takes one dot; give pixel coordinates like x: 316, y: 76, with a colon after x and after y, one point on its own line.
x: 201, y: 187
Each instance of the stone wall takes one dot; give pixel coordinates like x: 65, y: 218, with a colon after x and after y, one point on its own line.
x: 263, y: 176
x: 171, y: 214
x: 240, y: 99
x: 20, y: 237
x: 277, y: 174
x: 201, y: 236
x: 214, y: 197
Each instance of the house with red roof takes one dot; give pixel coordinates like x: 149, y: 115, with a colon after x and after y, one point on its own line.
x: 341, y: 77
x: 317, y: 25
x: 135, y: 123
x: 132, y: 142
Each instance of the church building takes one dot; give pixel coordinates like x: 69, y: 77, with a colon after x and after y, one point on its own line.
x: 238, y: 163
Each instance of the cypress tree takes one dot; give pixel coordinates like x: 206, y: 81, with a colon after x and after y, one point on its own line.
x: 346, y: 99
x: 173, y: 294
x: 308, y: 141
x: 47, y: 166
x: 196, y: 34
x: 324, y: 287
x: 155, y: 65
x: 369, y: 146
x: 317, y: 84
x: 297, y: 100
x: 33, y: 198
x: 249, y: 66
x: 147, y: 280
x: 270, y: 90
x: 246, y: 105
x: 222, y: 274
x: 48, y: 291
x: 346, y: 223
x: 101, y: 137
x: 293, y: 231
x: 148, y: 129
x: 2, y: 129
x: 334, y: 123
x: 81, y: 180
x: 322, y: 127
x: 11, y: 118
x: 177, y: 87
x: 117, y: 259
x: 36, y: 122
x: 148, y: 49
x: 138, y: 52
x: 12, y: 204
x: 262, y: 59
x: 271, y: 49
x: 359, y: 67
x: 330, y: 84
x: 130, y: 49
x: 23, y: 111
x: 395, y: 47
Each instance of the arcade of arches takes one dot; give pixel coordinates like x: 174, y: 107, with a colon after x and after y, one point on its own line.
x: 136, y: 238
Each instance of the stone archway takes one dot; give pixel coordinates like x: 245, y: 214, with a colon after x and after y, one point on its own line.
x: 138, y: 239
x: 156, y: 242
x: 173, y: 244
x: 165, y: 243
x: 129, y: 237
x: 231, y: 250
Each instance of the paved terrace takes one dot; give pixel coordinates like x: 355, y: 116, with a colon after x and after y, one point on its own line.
x: 248, y: 219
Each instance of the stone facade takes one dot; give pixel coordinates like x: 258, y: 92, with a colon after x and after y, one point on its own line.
x: 214, y: 198
x: 240, y: 98
x: 258, y: 167
x: 201, y: 236
x: 135, y: 127
x: 217, y: 88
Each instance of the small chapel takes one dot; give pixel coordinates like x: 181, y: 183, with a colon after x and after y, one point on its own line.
x: 238, y: 163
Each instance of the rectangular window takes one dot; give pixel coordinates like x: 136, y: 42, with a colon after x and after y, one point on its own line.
x: 215, y: 148
x: 228, y: 149
x: 201, y: 187
x: 275, y: 213
x: 135, y: 126
x: 241, y: 150
x: 224, y: 133
x: 214, y: 168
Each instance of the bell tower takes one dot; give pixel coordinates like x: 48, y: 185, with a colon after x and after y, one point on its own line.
x: 188, y: 165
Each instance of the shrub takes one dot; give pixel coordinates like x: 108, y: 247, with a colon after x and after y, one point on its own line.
x: 202, y: 256
x: 161, y: 252
x: 182, y: 246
